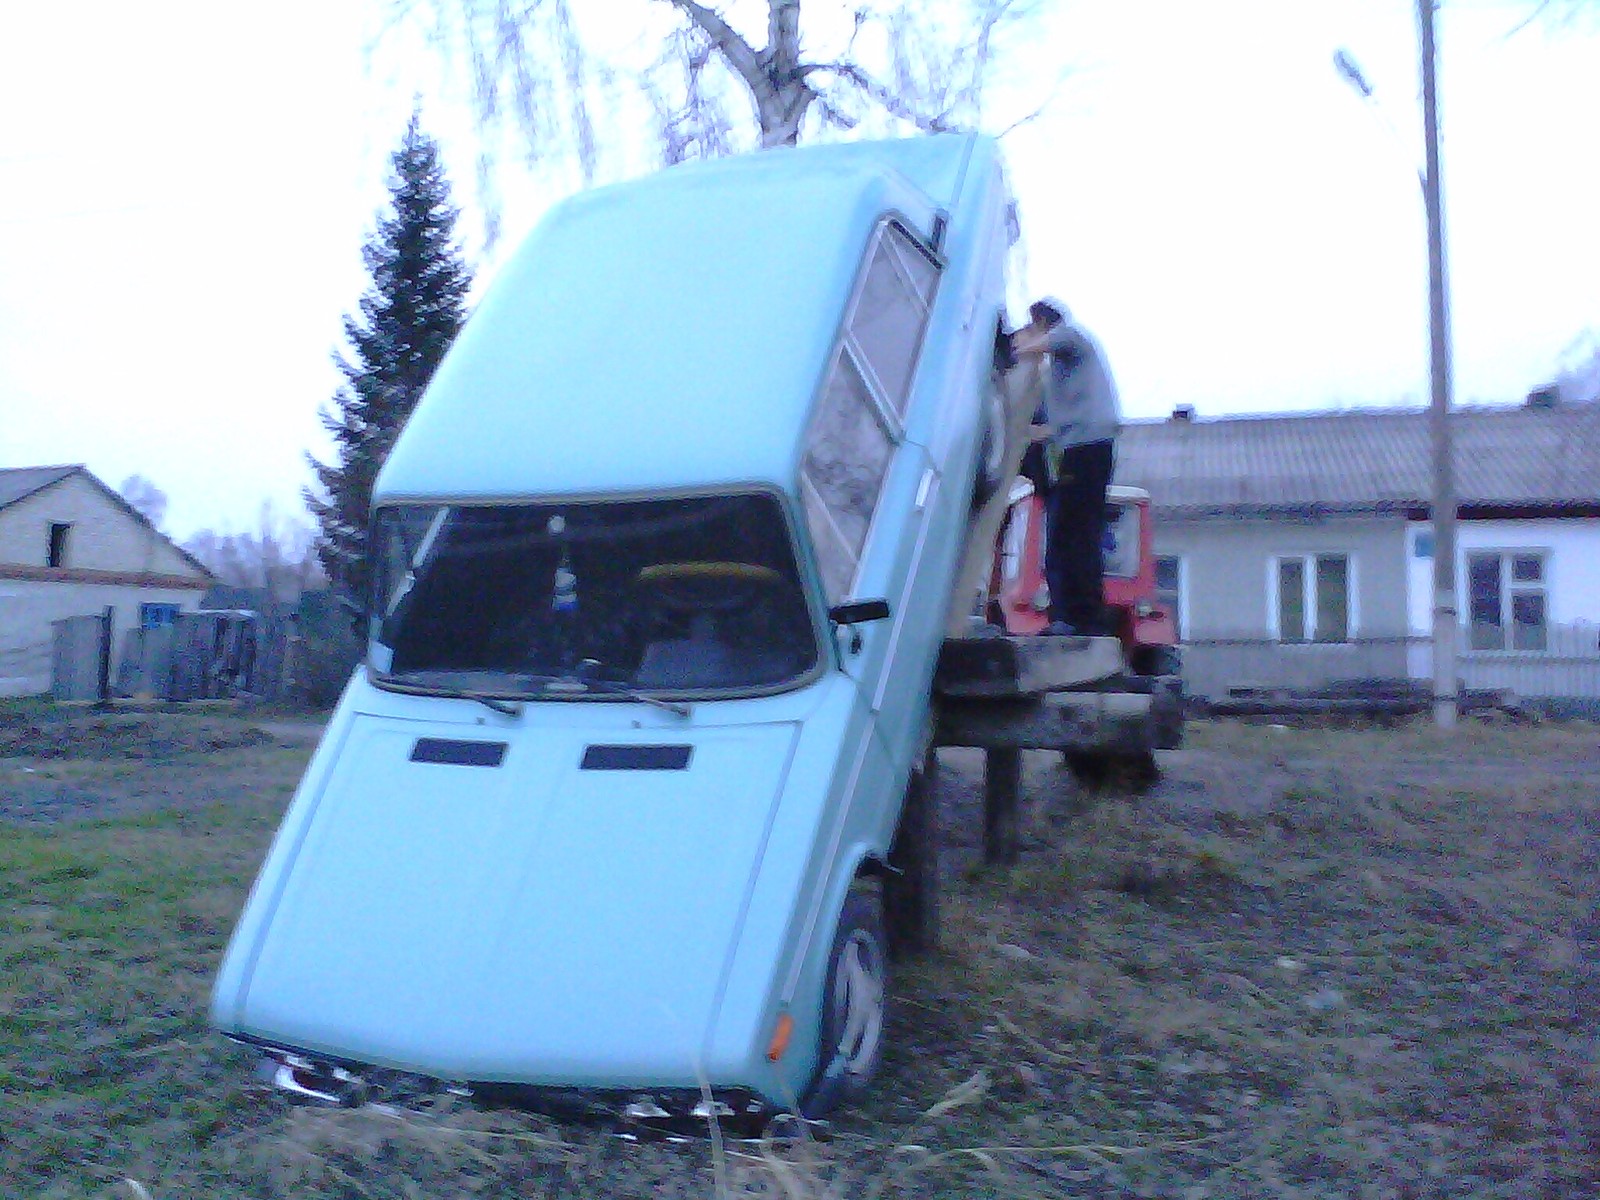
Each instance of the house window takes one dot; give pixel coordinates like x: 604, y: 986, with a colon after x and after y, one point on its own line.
x: 857, y: 422
x: 157, y: 616
x: 1313, y: 598
x: 57, y: 555
x: 1506, y: 606
x: 1169, y: 589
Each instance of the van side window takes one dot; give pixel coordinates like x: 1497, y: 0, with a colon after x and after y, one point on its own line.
x: 885, y: 330
x: 847, y: 456
x: 858, y: 416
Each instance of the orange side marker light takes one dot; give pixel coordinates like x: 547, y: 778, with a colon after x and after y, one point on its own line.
x: 781, y: 1033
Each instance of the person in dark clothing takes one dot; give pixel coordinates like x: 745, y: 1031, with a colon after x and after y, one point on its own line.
x: 1077, y: 436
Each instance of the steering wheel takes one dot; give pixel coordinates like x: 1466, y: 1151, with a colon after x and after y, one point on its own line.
x: 706, y: 586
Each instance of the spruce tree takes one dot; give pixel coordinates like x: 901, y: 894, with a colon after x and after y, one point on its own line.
x: 408, y: 316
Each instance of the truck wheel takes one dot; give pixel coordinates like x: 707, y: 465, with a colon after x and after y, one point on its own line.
x: 1158, y: 660
x: 911, y: 886
x: 854, y: 1002
x: 1136, y: 772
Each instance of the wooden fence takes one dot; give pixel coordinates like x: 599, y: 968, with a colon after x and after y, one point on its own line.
x: 283, y: 653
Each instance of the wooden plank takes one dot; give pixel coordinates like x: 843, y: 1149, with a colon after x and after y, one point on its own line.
x: 1022, y: 391
x: 1115, y: 722
x: 1002, y: 788
x: 1005, y: 667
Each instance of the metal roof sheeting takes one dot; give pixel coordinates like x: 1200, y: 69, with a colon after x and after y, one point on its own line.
x: 1364, y: 461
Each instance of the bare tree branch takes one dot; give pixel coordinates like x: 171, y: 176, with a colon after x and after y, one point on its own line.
x: 1539, y: 10
x: 884, y: 96
x: 535, y: 71
x: 734, y: 48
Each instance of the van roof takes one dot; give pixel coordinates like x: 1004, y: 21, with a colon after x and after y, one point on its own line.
x: 668, y: 333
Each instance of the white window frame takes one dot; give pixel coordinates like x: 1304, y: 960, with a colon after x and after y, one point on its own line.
x: 1509, y: 589
x: 1308, y: 604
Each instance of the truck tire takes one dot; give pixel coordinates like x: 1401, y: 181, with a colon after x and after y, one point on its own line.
x: 1134, y: 771
x: 911, y: 885
x: 854, y: 1006
x: 1157, y: 660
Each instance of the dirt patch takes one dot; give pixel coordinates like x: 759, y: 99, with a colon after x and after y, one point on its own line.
x: 80, y: 764
x: 119, y: 735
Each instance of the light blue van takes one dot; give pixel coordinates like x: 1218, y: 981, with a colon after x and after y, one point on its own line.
x: 663, y: 562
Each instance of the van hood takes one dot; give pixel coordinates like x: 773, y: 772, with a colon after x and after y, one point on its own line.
x: 548, y: 906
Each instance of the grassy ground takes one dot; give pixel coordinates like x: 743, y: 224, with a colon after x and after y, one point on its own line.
x: 1313, y: 963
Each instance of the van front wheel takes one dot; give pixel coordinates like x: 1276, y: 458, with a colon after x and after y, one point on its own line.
x: 854, y: 1003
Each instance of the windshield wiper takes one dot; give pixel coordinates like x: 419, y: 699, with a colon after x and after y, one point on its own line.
x: 562, y: 685
x: 511, y: 708
x: 426, y: 687
x: 586, y: 677
x: 627, y: 691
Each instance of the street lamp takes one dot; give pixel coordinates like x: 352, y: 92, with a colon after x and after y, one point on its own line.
x: 1445, y: 616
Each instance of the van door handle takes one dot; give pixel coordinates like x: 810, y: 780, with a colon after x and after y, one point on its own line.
x: 925, y: 488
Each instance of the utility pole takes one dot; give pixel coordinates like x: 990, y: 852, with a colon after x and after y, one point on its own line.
x: 1445, y: 615
x: 1442, y: 504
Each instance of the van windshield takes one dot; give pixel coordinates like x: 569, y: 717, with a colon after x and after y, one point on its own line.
x: 589, y: 600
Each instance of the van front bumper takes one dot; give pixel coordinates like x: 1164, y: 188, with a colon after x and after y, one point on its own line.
x: 310, y: 1080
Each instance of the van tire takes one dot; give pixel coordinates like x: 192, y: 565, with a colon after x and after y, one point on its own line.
x: 854, y: 1006
x: 911, y: 885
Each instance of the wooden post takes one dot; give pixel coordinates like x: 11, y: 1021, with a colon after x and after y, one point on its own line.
x: 103, y: 690
x: 290, y: 661
x: 1022, y: 390
x: 1002, y: 786
x: 1446, y: 619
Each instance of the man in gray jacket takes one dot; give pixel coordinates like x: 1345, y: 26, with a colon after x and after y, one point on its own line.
x: 1078, y: 435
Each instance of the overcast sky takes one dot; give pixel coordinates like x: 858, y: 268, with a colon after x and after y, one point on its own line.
x: 187, y: 185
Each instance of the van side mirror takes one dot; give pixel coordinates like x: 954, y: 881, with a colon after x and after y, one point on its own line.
x: 858, y: 612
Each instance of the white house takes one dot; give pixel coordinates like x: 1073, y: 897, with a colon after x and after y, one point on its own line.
x: 70, y: 546
x: 1299, y: 547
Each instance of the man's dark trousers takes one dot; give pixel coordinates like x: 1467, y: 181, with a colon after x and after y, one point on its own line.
x: 1075, y: 512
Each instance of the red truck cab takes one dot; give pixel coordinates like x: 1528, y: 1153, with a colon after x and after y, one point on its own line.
x: 1134, y: 611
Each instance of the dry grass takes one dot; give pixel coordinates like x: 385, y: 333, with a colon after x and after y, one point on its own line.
x: 1315, y: 963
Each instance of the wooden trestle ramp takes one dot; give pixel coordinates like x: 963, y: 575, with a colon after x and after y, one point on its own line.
x: 1005, y: 694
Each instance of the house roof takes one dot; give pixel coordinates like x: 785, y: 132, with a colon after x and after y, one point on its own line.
x: 1526, y: 458
x: 18, y: 483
